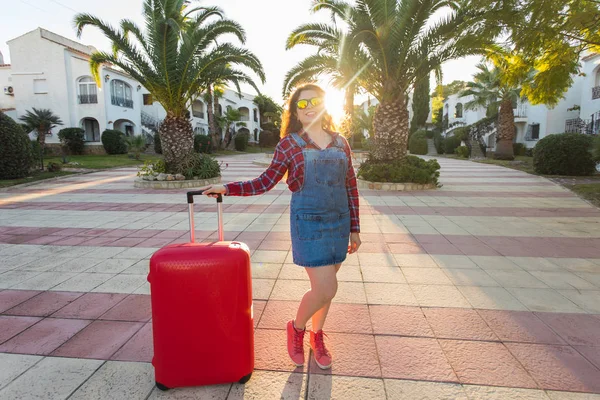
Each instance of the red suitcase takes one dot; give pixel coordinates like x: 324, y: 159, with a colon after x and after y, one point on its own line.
x: 202, y: 320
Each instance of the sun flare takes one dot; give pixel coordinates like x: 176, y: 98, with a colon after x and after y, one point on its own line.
x: 334, y: 102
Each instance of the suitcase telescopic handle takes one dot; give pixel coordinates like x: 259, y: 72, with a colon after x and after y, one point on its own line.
x: 190, y: 200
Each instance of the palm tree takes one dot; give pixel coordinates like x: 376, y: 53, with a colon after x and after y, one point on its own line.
x: 42, y: 121
x: 491, y: 91
x: 172, y: 59
x: 338, y: 55
x: 396, y: 34
x: 136, y: 144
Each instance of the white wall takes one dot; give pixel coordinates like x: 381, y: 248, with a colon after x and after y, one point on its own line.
x: 589, y: 106
x: 116, y: 113
x: 6, y: 101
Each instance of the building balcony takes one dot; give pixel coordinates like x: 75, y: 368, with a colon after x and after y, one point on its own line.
x: 245, y: 118
x: 198, y: 114
x: 596, y: 93
x: 121, y: 102
x: 88, y: 99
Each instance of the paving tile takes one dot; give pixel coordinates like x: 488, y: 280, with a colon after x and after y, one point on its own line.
x: 100, y: 339
x: 44, y: 304
x: 11, y: 298
x: 575, y: 329
x: 44, y: 280
x: 399, y: 320
x: 495, y: 298
x: 495, y: 263
x: 44, y: 337
x: 519, y: 326
x: 13, y: 365
x: 562, y: 280
x: 41, y: 380
x: 79, y: 264
x: 557, y: 367
x: 350, y: 292
x: 12, y: 325
x: 397, y: 389
x: 456, y: 323
x: 134, y: 308
x: 390, y: 293
x: 263, y: 385
x: 485, y: 363
x: 500, y: 393
x: 343, y: 387
x: 12, y: 278
x: 376, y: 260
x: 547, y: 300
x: 90, y: 306
x: 289, y: 290
x: 121, y: 284
x: 575, y: 264
x: 589, y: 300
x: 258, y: 307
x: 439, y: 296
x: 266, y: 270
x: 345, y: 350
x: 516, y: 279
x: 262, y: 288
x: 416, y: 260
x: 292, y: 271
x: 470, y: 277
x: 556, y: 395
x: 83, y: 282
x: 592, y: 354
x: 413, y: 358
x: 269, y: 256
x: 270, y: 351
x: 214, y: 392
x: 139, y: 348
x: 591, y: 277
x: 112, y: 266
x: 535, y: 264
x: 128, y: 380
x: 425, y: 276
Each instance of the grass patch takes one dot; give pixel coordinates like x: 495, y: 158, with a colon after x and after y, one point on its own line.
x: 35, y: 176
x: 521, y: 163
x: 103, y: 161
x: 589, y: 191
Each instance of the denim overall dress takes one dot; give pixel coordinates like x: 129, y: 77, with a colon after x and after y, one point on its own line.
x: 319, y: 212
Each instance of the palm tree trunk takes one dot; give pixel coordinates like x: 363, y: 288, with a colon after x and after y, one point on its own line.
x: 506, y: 132
x: 177, y: 139
x: 346, y: 127
x: 391, y: 130
x: 211, y: 117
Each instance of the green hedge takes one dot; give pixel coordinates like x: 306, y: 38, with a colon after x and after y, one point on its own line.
x: 450, y: 144
x: 417, y: 144
x: 241, y: 141
x: 114, y: 142
x: 157, y: 144
x: 438, y: 141
x: 73, y: 138
x: 411, y: 169
x: 462, y: 151
x: 564, y: 154
x: 15, y: 149
x: 200, y: 165
x: 519, y: 149
x: 202, y: 144
x: 596, y: 149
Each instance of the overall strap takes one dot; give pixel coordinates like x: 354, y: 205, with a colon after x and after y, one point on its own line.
x: 339, y: 142
x: 298, y: 140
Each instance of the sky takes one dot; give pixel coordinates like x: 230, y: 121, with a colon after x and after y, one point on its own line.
x: 267, y: 24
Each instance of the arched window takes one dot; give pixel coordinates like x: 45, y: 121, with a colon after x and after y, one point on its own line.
x: 244, y: 113
x: 121, y: 94
x: 198, y: 109
x: 255, y: 115
x: 87, y: 90
x: 459, y: 111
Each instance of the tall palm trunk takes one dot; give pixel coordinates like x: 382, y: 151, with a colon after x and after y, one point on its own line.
x: 212, y: 126
x: 346, y: 127
x: 506, y: 132
x: 391, y: 130
x: 218, y: 128
x: 177, y: 138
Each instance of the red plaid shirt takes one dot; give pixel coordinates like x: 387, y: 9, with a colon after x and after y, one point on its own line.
x: 288, y: 157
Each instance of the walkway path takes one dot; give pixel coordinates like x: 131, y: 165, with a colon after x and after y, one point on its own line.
x: 488, y: 288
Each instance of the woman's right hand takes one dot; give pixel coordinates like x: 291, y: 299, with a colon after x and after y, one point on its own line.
x: 213, y: 190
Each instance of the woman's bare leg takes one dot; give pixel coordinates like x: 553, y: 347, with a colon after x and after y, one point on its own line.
x: 318, y: 318
x: 323, y: 287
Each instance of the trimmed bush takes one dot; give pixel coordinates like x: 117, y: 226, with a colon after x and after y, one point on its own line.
x: 438, y: 141
x: 15, y: 149
x: 200, y: 166
x: 241, y: 141
x: 411, y: 169
x: 73, y: 138
x: 157, y: 144
x: 462, y: 133
x: 53, y: 167
x: 202, y: 144
x: 35, y: 149
x: 462, y: 151
x: 429, y: 134
x: 519, y: 149
x: 596, y: 149
x: 114, y: 142
x: 564, y: 154
x: 450, y: 144
x: 417, y: 144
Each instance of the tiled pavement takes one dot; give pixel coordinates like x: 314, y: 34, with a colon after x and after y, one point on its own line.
x: 488, y: 288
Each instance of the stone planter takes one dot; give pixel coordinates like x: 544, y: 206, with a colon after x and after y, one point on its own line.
x: 187, y: 184
x: 392, y: 187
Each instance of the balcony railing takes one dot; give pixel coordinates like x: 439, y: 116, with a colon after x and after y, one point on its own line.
x: 596, y: 93
x: 245, y: 118
x: 88, y: 99
x: 520, y: 111
x: 198, y: 114
x: 121, y: 102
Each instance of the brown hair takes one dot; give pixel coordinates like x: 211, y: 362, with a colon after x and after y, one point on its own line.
x: 290, y: 122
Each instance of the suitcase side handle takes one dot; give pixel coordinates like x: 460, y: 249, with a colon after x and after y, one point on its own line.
x: 190, y: 200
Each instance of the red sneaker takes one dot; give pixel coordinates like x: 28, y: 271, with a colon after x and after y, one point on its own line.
x: 295, y: 343
x: 322, y: 355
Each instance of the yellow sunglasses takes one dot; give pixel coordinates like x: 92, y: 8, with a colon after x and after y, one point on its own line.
x: 315, y: 101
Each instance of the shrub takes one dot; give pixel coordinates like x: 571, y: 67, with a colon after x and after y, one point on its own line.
x: 438, y: 141
x: 429, y: 134
x: 114, y: 142
x: 202, y: 166
x: 53, y: 167
x: 35, y: 150
x: 15, y: 149
x: 157, y: 144
x: 450, y: 144
x: 462, y: 151
x: 268, y: 138
x: 564, y: 154
x: 596, y: 149
x: 417, y: 144
x: 241, y: 141
x: 357, y: 140
x: 152, y: 167
x: 202, y: 143
x: 136, y: 145
x: 411, y: 169
x: 72, y: 138
x: 529, y: 152
x: 462, y: 133
x: 519, y: 149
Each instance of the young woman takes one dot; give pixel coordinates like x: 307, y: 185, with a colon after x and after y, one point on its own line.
x: 324, y: 214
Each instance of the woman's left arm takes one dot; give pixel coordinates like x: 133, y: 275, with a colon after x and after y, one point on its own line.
x: 353, y: 202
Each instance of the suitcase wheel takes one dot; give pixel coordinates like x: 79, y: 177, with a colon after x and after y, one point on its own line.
x: 245, y: 378
x: 161, y: 386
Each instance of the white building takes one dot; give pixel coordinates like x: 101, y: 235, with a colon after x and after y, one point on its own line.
x: 51, y: 71
x: 577, y: 111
